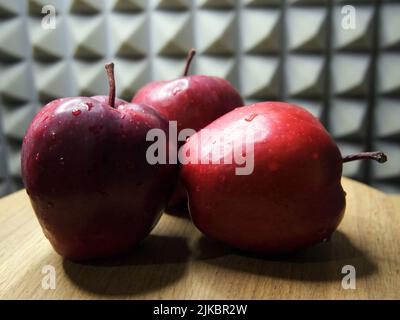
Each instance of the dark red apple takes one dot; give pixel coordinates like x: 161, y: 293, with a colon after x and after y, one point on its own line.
x: 192, y: 101
x: 85, y: 170
x: 292, y: 196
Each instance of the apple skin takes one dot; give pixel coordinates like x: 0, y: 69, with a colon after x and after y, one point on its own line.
x: 293, y: 198
x: 85, y: 170
x: 105, y: 100
x: 192, y: 101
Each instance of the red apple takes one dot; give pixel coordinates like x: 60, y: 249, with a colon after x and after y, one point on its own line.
x: 192, y: 101
x: 85, y: 170
x: 291, y: 199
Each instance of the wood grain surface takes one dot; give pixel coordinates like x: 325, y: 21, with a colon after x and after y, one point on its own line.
x: 177, y: 262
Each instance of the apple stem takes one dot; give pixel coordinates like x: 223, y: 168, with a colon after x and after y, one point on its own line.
x: 376, y: 155
x: 111, y: 82
x: 189, y: 58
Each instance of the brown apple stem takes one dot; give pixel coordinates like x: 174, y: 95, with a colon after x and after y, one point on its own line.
x: 111, y: 82
x: 189, y: 58
x: 376, y: 155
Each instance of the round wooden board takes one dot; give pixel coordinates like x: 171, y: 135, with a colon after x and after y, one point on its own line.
x: 177, y: 262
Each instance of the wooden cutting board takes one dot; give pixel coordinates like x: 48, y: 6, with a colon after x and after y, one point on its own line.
x: 177, y: 262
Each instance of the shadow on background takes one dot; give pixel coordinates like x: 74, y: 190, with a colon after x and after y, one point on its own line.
x: 154, y: 264
x: 322, y: 262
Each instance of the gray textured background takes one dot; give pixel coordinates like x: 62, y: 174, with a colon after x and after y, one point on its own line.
x: 269, y: 49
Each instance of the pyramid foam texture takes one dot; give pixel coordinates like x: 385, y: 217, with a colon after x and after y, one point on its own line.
x: 293, y: 50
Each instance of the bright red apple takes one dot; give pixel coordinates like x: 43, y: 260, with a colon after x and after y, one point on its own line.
x: 291, y: 199
x: 85, y: 169
x: 192, y: 101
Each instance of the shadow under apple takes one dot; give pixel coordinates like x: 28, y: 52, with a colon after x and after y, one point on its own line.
x: 159, y: 261
x: 322, y: 262
x: 153, y: 264
x: 179, y: 211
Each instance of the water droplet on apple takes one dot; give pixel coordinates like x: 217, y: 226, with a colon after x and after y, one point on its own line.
x: 89, y: 106
x: 76, y: 112
x: 37, y: 156
x: 176, y: 90
x: 61, y: 160
x: 251, y: 117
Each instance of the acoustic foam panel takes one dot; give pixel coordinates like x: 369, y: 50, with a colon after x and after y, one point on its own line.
x: 293, y: 50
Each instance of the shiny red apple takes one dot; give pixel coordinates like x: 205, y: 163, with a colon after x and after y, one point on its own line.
x: 192, y: 101
x: 85, y: 170
x: 291, y: 195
